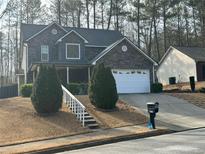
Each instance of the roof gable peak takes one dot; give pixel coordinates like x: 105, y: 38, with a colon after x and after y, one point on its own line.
x: 72, y: 31
x: 109, y: 48
x: 48, y: 26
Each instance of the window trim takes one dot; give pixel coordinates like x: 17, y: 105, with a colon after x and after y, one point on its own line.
x: 44, y: 53
x: 75, y: 44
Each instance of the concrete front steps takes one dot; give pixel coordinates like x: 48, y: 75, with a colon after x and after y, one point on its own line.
x: 90, y: 122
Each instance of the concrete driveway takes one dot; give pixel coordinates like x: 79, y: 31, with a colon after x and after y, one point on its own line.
x: 174, y: 113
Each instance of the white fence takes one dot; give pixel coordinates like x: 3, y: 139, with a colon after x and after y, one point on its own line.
x: 75, y: 105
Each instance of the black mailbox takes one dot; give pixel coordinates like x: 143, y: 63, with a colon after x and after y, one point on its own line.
x: 152, y: 108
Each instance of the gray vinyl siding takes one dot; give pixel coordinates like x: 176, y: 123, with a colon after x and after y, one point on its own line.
x: 44, y: 38
x: 71, y: 38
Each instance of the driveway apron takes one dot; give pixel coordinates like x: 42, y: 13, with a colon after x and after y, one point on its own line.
x: 174, y: 113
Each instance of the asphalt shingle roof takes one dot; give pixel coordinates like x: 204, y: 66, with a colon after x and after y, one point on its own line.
x: 96, y: 37
x: 196, y: 53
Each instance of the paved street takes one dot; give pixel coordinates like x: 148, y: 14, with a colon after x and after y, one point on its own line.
x: 188, y: 142
x: 174, y: 113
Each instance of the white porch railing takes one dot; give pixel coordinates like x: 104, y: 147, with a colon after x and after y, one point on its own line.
x: 75, y: 105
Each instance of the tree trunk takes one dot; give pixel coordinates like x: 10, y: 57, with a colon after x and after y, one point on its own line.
x: 194, y: 20
x: 187, y: 32
x: 165, y: 28
x: 150, y: 38
x: 186, y: 26
x: 117, y: 15
x: 178, y: 27
x: 79, y: 14
x: 73, y: 19
x: 110, y: 14
x: 94, y: 13
x: 102, y: 14
x: 27, y: 17
x: 17, y: 66
x: 59, y: 12
x: 203, y: 22
x: 138, y: 23
x: 156, y: 38
x: 155, y: 29
x: 8, y: 47
x: 88, y: 13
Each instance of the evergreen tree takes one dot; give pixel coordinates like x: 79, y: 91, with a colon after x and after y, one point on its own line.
x: 47, y: 92
x: 102, y: 88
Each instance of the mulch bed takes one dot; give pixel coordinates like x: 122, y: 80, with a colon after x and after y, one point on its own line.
x: 123, y: 115
x: 20, y: 123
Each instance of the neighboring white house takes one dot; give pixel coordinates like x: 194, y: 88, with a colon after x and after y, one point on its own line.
x: 181, y: 63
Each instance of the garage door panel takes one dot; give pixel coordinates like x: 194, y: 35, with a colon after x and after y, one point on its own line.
x: 132, y: 81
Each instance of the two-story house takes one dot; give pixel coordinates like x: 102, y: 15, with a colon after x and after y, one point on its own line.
x: 75, y: 51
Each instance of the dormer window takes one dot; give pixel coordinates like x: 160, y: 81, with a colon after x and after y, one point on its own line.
x: 44, y: 53
x: 72, y: 51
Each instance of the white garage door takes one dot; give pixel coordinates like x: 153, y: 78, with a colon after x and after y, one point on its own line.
x: 132, y: 81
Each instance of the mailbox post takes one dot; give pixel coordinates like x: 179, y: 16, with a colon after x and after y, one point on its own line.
x: 152, y: 108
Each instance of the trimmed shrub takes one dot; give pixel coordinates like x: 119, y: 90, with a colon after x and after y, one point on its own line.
x: 26, y: 90
x: 172, y: 80
x: 73, y: 88
x: 202, y: 90
x: 78, y: 88
x: 83, y: 89
x: 192, y: 83
x: 102, y: 88
x: 156, y: 88
x: 47, y: 92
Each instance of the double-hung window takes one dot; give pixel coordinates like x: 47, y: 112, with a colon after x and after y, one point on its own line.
x: 44, y: 53
x: 72, y: 51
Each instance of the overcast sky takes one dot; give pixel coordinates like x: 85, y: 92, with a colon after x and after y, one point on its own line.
x: 4, y: 3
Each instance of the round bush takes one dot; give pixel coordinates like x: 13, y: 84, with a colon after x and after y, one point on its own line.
x: 26, y: 90
x: 73, y: 88
x: 78, y: 88
x: 47, y: 92
x: 102, y: 88
x: 202, y: 90
x: 156, y: 88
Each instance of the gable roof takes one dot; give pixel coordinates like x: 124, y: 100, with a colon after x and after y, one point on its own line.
x: 109, y: 48
x: 72, y: 31
x: 95, y: 37
x: 43, y: 29
x: 196, y: 53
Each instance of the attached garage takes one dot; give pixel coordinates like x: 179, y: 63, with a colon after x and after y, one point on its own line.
x: 132, y: 69
x: 132, y: 81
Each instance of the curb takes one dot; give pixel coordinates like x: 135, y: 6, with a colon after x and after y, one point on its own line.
x: 99, y: 142
x: 44, y: 139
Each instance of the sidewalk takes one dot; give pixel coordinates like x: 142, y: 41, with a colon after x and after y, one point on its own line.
x: 84, y: 140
